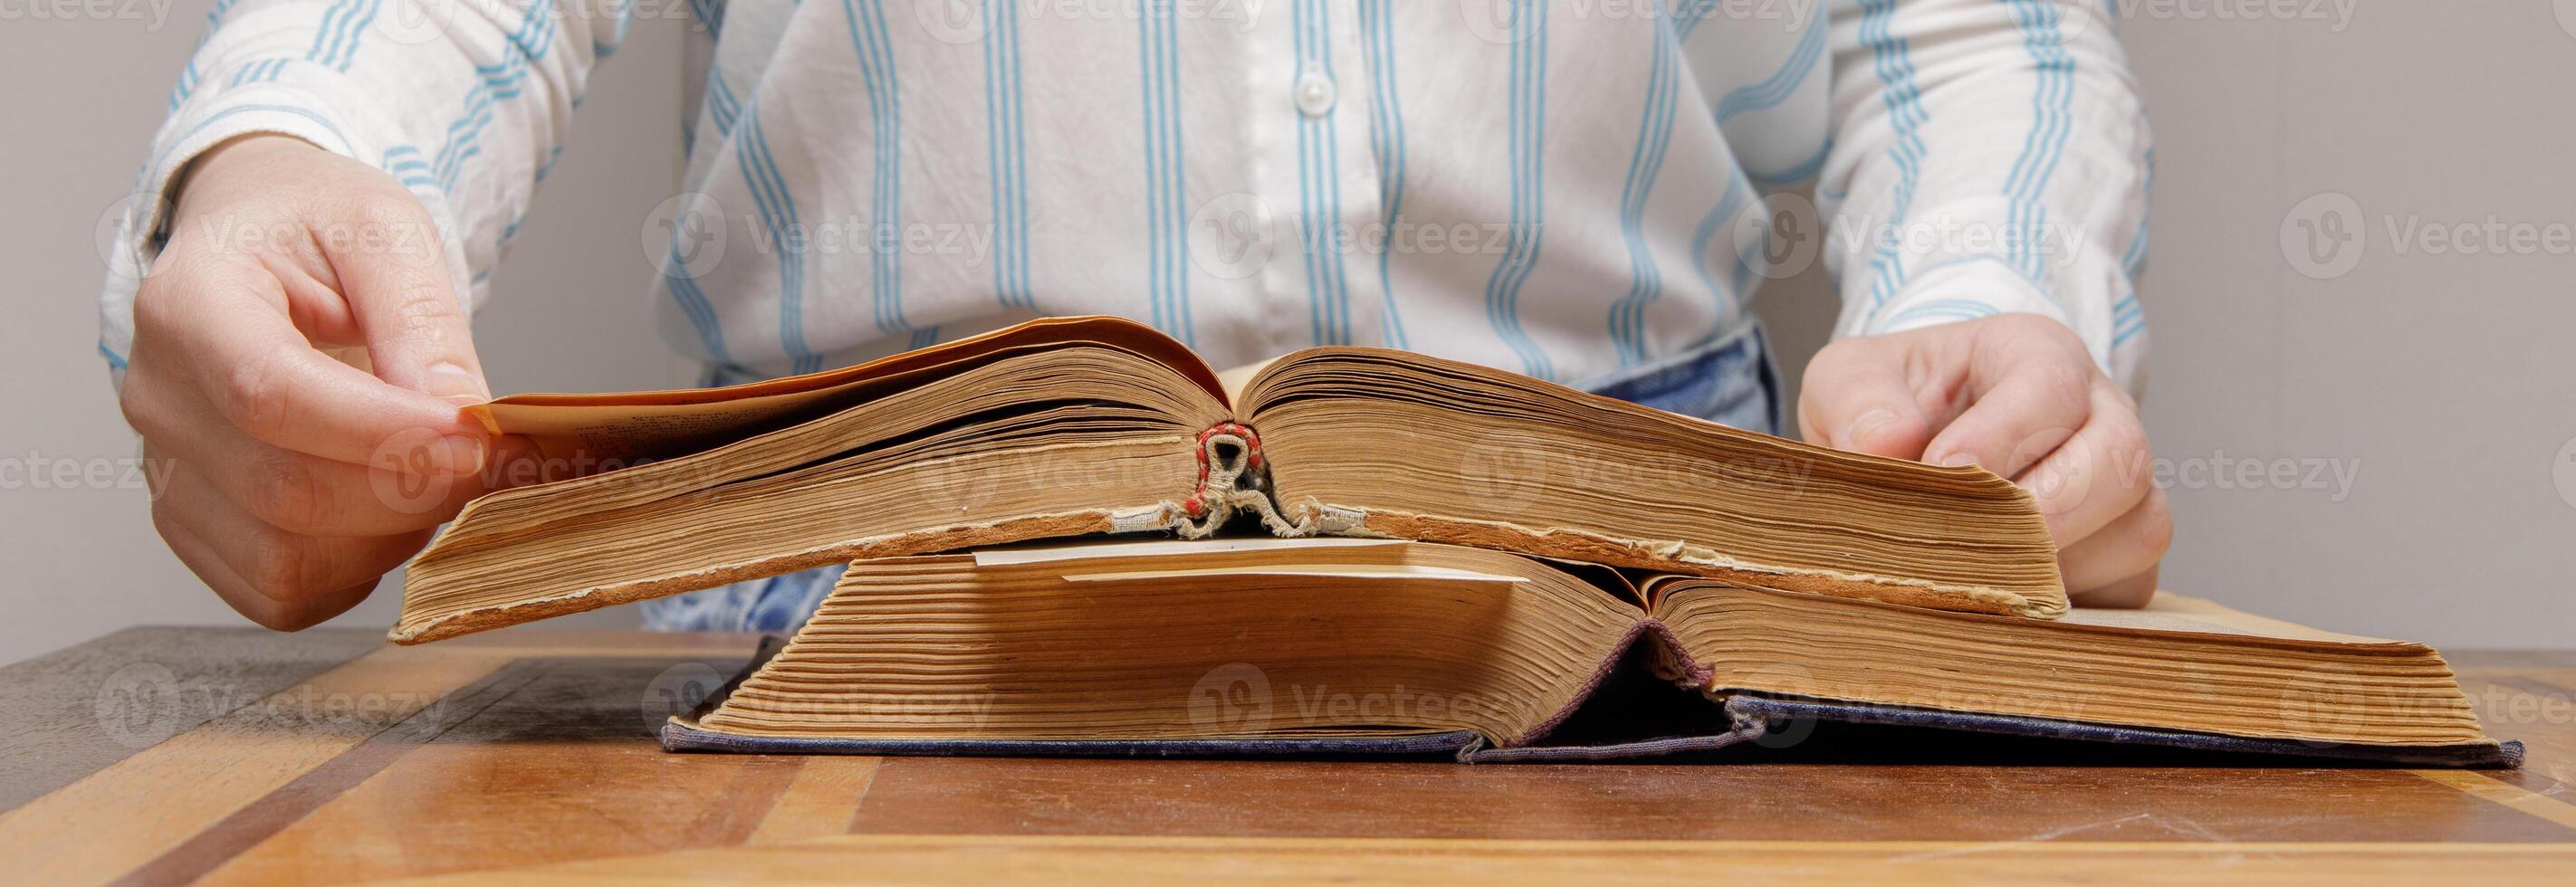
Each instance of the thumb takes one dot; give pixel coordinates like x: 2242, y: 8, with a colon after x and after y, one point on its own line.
x: 1854, y: 397
x: 405, y: 303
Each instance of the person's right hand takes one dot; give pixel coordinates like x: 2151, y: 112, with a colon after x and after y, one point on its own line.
x: 299, y: 357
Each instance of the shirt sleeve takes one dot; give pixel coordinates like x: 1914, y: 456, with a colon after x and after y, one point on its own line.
x: 466, y: 104
x: 1989, y: 157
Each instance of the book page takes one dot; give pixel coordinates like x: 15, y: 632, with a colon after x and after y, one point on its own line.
x: 1047, y: 552
x: 593, y: 433
x: 2170, y: 612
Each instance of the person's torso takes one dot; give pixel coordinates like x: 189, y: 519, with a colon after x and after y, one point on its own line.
x: 1558, y: 189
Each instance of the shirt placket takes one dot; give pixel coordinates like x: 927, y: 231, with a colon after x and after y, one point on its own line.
x: 1317, y: 186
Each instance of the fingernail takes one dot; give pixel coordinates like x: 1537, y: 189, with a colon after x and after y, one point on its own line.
x: 457, y: 385
x: 458, y: 454
x: 1959, y: 460
x: 1870, y: 421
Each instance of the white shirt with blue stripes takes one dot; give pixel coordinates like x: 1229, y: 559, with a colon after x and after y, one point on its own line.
x: 1559, y: 189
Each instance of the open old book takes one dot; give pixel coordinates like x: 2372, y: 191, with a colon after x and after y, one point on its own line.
x: 1440, y: 557
x: 1355, y: 646
x: 1076, y: 426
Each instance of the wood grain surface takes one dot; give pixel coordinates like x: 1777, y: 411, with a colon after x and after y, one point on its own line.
x: 237, y: 756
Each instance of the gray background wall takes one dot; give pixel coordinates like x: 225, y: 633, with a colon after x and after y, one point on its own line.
x: 2439, y: 381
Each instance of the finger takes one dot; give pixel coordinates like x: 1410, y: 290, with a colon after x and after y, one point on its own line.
x: 2129, y: 545
x: 2019, y: 413
x: 2099, y: 473
x: 264, y: 378
x: 394, y: 276
x: 287, y: 615
x: 1855, y: 397
x: 293, y: 491
x: 273, y: 562
x: 2126, y: 594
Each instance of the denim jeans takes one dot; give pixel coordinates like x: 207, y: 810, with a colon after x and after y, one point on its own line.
x: 1730, y: 380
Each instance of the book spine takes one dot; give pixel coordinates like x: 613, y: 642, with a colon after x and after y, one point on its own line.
x: 1234, y: 478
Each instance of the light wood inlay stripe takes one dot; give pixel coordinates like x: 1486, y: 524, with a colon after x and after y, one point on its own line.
x: 1140, y: 860
x: 821, y: 801
x: 2557, y: 810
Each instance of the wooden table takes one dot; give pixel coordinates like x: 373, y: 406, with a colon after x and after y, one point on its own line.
x: 162, y: 755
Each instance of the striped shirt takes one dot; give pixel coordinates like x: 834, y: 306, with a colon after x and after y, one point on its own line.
x: 1559, y: 189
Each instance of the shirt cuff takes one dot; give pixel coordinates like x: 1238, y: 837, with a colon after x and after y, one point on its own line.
x: 1972, y: 287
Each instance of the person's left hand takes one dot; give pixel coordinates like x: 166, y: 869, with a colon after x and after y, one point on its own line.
x: 2018, y: 395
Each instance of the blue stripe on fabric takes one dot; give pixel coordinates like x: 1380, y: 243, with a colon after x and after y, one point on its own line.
x: 1308, y: 249
x: 760, y: 169
x: 924, y: 338
x: 1627, y: 318
x: 1175, y: 192
x: 1797, y: 172
x: 722, y: 109
x: 328, y: 34
x: 2128, y: 319
x: 1005, y: 155
x: 404, y: 162
x: 1019, y: 220
x: 1387, y: 142
x: 2051, y: 123
x: 189, y: 75
x: 1150, y: 106
x: 1723, y: 297
x: 187, y: 84
x: 358, y: 36
x: 2135, y: 260
x: 1686, y: 18
x: 1319, y: 186
x: 343, y: 27
x: 1528, y: 122
x: 693, y: 302
x: 1951, y: 309
x: 617, y: 36
x: 494, y: 83
x: 1147, y: 107
x: 867, y: 28
x: 114, y: 360
x: 1782, y: 83
x: 1167, y: 242
x: 1893, y: 63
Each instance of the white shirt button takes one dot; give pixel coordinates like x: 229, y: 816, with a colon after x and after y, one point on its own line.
x: 1314, y: 93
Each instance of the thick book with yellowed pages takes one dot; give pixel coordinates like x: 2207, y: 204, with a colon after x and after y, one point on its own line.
x: 1252, y: 646
x: 1075, y: 426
